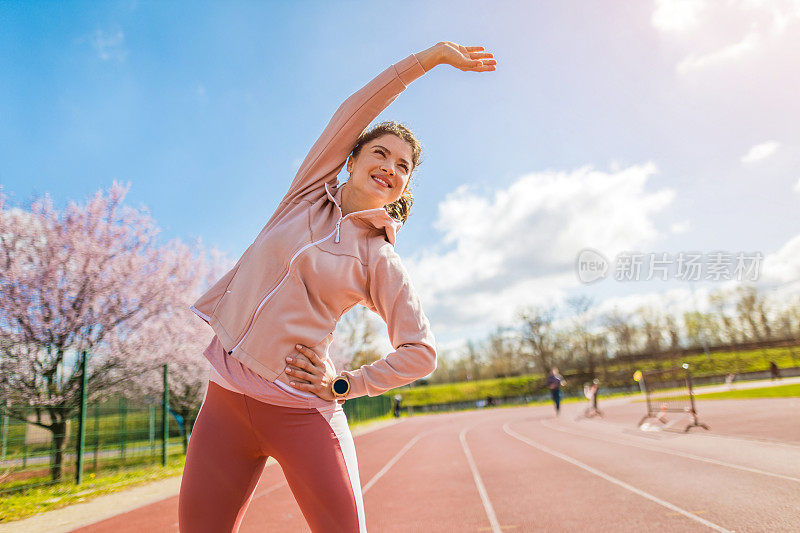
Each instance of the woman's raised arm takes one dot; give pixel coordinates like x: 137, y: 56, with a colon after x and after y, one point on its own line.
x: 329, y: 153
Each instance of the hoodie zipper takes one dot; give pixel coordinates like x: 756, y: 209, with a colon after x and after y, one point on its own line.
x: 335, y: 231
x: 337, y: 239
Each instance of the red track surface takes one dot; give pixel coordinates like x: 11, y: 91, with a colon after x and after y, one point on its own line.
x: 522, y: 469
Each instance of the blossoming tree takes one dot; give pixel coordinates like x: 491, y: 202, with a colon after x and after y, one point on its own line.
x: 92, y: 277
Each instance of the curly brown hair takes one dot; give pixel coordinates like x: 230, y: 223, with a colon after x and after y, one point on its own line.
x: 401, y: 208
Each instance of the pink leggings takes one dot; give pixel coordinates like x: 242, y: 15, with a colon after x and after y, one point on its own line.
x: 232, y: 439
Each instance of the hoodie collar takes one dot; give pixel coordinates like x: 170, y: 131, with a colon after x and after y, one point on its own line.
x: 377, y: 218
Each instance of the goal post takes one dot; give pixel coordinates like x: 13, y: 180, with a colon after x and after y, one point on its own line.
x: 669, y: 390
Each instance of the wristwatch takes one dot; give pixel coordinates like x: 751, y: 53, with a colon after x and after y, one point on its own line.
x: 340, y: 386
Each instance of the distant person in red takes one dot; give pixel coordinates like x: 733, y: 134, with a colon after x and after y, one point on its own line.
x: 554, y: 382
x: 774, y: 371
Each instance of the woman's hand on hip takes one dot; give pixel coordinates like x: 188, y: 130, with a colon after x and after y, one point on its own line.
x: 310, y: 373
x: 473, y: 58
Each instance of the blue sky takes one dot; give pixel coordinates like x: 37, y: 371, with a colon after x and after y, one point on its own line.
x: 614, y: 125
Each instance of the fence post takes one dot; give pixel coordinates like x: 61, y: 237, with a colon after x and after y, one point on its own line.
x: 96, y: 434
x: 5, y: 433
x: 152, y: 430
x: 165, y: 416
x: 81, y: 422
x: 123, y: 411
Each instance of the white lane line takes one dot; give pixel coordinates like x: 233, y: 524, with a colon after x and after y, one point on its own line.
x: 740, y: 438
x: 614, y: 480
x: 673, y: 452
x: 487, y: 505
x: 390, y: 464
x: 750, y: 440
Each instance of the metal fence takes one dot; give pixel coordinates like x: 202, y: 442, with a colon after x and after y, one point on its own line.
x: 73, y: 442
x: 116, y: 433
x: 366, y: 408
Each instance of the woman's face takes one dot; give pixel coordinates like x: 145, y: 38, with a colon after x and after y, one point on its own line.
x: 382, y: 169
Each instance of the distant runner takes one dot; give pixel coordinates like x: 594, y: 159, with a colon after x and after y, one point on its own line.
x: 591, y: 391
x: 554, y: 382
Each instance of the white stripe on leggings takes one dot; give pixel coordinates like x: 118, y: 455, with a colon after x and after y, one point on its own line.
x: 338, y: 422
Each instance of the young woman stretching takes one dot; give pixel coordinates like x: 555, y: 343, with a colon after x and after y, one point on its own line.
x: 273, y: 390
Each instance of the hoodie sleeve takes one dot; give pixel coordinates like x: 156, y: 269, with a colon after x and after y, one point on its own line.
x: 329, y: 153
x: 392, y: 296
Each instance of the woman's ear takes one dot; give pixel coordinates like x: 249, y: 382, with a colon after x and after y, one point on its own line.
x: 350, y: 163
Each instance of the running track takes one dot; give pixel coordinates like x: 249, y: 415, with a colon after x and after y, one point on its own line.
x: 523, y: 469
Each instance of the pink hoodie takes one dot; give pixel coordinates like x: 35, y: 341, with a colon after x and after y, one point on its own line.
x: 309, y: 265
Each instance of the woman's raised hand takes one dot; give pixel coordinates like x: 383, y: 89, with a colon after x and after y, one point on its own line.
x: 473, y: 58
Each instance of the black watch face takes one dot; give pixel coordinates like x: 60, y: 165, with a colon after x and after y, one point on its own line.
x: 340, y: 386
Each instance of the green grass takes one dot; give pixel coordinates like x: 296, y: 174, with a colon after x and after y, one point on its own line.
x: 719, y: 363
x: 780, y: 391
x: 470, y: 390
x: 30, y: 502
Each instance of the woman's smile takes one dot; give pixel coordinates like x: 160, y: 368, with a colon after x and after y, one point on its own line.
x: 383, y: 182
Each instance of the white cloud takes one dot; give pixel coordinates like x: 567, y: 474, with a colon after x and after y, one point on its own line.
x: 680, y: 227
x: 784, y: 265
x: 796, y: 187
x: 677, y: 15
x: 725, y: 54
x: 718, y: 33
x: 479, y: 311
x: 761, y: 151
x: 673, y: 302
x: 109, y: 45
x: 506, y: 248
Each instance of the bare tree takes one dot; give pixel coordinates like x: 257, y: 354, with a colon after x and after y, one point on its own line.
x: 475, y: 361
x: 748, y: 310
x: 673, y: 332
x: 702, y: 328
x: 788, y: 331
x: 538, y: 335
x: 724, y: 306
x: 501, y: 354
x: 652, y: 329
x: 584, y: 340
x: 623, y: 332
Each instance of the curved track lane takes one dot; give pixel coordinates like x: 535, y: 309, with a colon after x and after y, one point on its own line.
x: 522, y: 469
